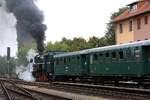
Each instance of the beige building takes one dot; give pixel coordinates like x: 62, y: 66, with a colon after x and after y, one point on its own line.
x: 134, y: 23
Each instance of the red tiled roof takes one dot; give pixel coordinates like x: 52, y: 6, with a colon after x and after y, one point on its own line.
x: 128, y: 14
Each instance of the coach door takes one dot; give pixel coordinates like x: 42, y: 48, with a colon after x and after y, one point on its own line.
x: 85, y: 64
x: 146, y: 59
x: 146, y: 53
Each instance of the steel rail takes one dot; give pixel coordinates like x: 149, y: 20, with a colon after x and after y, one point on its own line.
x: 22, y: 89
x: 23, y: 92
x: 5, y: 91
x: 127, y: 93
x: 20, y: 93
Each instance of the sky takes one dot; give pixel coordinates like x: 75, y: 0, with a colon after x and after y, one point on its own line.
x: 7, y: 31
x: 64, y: 18
x: 78, y: 18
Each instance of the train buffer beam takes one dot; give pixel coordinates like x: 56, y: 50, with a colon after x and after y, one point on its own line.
x: 66, y: 95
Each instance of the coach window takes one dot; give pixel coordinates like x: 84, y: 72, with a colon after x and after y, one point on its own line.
x: 128, y: 53
x: 68, y: 59
x: 95, y: 57
x: 60, y: 59
x: 114, y: 55
x: 107, y: 55
x: 101, y: 57
x: 78, y: 59
x: 65, y: 60
x: 121, y: 56
x: 73, y: 59
x: 57, y: 61
x: 137, y: 53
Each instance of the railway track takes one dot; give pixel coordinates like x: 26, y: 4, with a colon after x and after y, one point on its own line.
x: 100, y: 90
x: 13, y: 91
x: 95, y: 90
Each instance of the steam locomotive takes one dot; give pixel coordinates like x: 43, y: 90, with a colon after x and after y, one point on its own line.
x: 124, y: 62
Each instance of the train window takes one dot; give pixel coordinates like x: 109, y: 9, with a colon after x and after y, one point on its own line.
x: 137, y: 53
x: 60, y: 59
x: 121, y: 56
x: 65, y: 60
x: 114, y: 55
x: 78, y: 57
x: 73, y: 59
x: 57, y: 61
x: 95, y: 57
x: 128, y: 52
x: 100, y: 55
x: 136, y: 48
x: 68, y: 59
x: 107, y: 54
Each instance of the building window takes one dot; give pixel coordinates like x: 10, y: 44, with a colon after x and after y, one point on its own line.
x: 138, y: 23
x: 130, y: 26
x: 146, y: 19
x: 121, y: 28
x: 133, y: 7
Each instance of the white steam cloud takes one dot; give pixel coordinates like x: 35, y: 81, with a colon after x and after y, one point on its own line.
x: 25, y: 73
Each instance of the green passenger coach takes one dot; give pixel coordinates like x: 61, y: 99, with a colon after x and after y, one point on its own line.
x: 73, y: 64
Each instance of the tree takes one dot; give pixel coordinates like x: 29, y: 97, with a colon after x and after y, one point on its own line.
x: 110, y: 31
x: 57, y: 46
x: 4, y: 65
x: 66, y: 41
x: 49, y: 47
x: 78, y: 44
x: 93, y: 42
x: 67, y: 45
x: 22, y: 53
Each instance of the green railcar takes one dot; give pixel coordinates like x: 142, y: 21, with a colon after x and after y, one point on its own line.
x: 125, y: 60
x: 130, y: 60
x: 71, y: 64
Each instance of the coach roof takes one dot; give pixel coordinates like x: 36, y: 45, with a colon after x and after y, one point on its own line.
x: 112, y: 47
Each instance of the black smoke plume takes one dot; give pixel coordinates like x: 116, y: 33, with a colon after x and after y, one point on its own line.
x: 29, y: 18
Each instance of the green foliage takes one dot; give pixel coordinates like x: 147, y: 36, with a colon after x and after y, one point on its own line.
x: 94, y: 42
x: 110, y: 31
x: 80, y: 43
x: 57, y: 46
x: 67, y: 45
x: 4, y: 65
x: 22, y: 53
